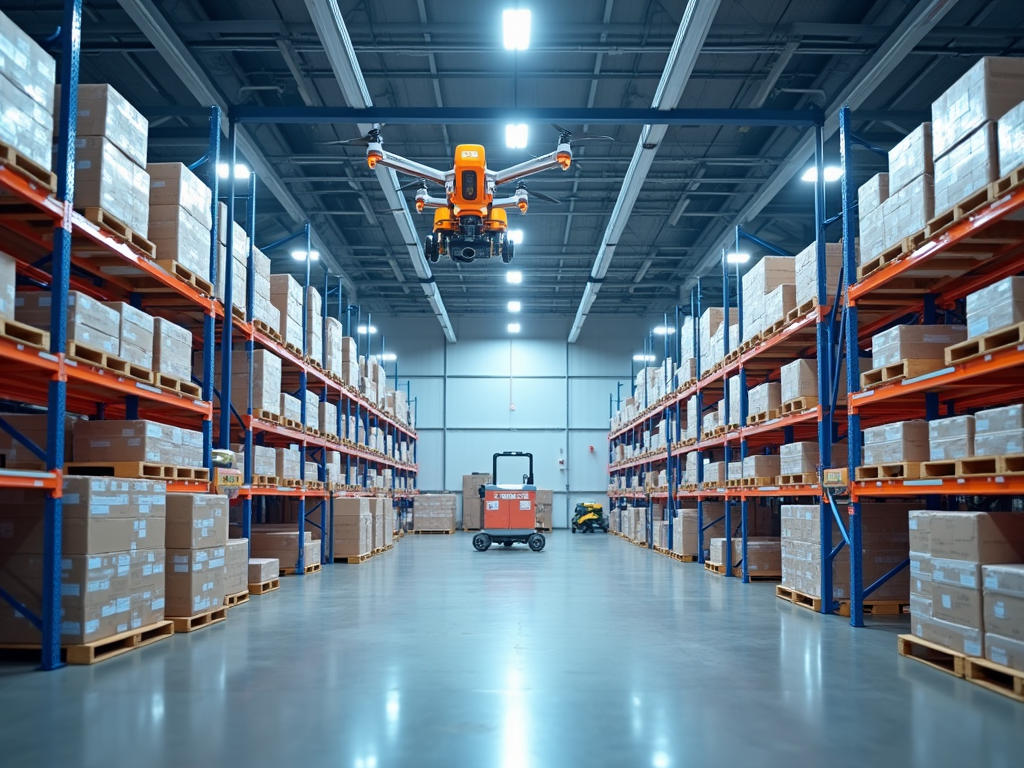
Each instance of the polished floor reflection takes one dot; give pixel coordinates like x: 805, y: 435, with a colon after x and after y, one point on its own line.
x: 590, y: 653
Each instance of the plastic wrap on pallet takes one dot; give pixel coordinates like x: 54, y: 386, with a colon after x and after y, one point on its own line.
x: 969, y: 167
x: 26, y: 125
x: 914, y: 342
x: 911, y: 158
x: 25, y: 62
x: 995, y: 306
x: 951, y: 438
x: 987, y: 91
x: 734, y: 470
x: 1010, y: 140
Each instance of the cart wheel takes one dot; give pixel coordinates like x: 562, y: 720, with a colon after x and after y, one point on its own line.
x: 536, y: 542
x: 574, y: 529
x: 481, y: 542
x: 507, y: 543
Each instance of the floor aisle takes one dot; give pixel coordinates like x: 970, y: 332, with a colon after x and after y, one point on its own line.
x: 591, y: 653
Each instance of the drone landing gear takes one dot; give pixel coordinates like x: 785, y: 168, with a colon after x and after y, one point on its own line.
x: 430, y: 250
x: 508, y: 250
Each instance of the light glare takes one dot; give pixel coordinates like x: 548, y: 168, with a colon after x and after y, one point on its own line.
x: 664, y: 330
x: 737, y: 258
x: 832, y: 173
x: 301, y: 255
x: 516, y: 24
x: 241, y: 170
x: 514, y: 327
x: 514, y: 276
x: 515, y: 306
x: 517, y: 135
x: 367, y: 329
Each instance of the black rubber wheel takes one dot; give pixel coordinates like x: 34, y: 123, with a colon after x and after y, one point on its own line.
x: 536, y: 542
x: 481, y: 542
x: 574, y: 529
x: 507, y: 543
x: 508, y: 251
x: 430, y: 250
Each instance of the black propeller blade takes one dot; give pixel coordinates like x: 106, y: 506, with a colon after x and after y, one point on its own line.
x: 567, y: 135
x: 538, y: 195
x: 371, y: 137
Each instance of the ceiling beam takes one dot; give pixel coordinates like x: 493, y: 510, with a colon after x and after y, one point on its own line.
x: 693, y: 30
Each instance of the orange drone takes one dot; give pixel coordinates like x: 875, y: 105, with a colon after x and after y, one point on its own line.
x: 469, y: 221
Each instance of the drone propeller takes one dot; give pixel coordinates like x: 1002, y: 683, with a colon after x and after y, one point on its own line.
x: 566, y: 135
x: 539, y: 195
x: 372, y: 137
x: 412, y: 184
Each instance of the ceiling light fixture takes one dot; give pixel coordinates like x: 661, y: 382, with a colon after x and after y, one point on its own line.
x: 514, y: 327
x: 367, y: 329
x: 664, y: 330
x: 832, y: 173
x: 516, y: 27
x: 643, y: 358
x: 515, y: 306
x: 517, y: 135
x: 389, y: 357
x: 737, y: 258
x: 516, y: 236
x: 241, y: 170
x: 515, y: 277
x: 301, y: 255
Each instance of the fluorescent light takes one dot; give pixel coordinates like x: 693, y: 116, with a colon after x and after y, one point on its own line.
x: 516, y: 236
x: 389, y: 357
x: 664, y: 330
x: 737, y: 258
x: 514, y: 327
x: 832, y: 173
x: 644, y: 358
x: 241, y: 170
x: 516, y: 23
x: 514, y: 276
x: 364, y: 329
x: 515, y: 306
x: 301, y: 255
x: 517, y: 135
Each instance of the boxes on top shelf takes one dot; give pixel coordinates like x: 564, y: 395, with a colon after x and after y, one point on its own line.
x: 286, y: 296
x: 24, y: 62
x: 1010, y: 139
x: 970, y: 166
x: 806, y: 272
x: 995, y: 306
x: 107, y: 178
x: 26, y: 125
x: 174, y: 184
x: 103, y: 112
x: 987, y: 91
x: 914, y: 342
x: 872, y: 194
x: 911, y: 158
x: 759, y: 281
x: 909, y: 210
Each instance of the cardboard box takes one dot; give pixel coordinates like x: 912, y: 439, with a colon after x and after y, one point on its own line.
x: 196, y: 520
x: 806, y: 272
x: 763, y: 553
x: 286, y: 296
x: 434, y: 512
x: 353, y: 527
x: 957, y: 605
x: 15, y: 455
x: 107, y: 178
x: 89, y: 321
x: 26, y: 126
x: 328, y: 418
x: 919, y: 525
x: 896, y: 442
x: 799, y: 379
x: 874, y: 192
x: 908, y: 211
x: 545, y: 508
x: 288, y: 463
x: 779, y: 303
x: 872, y: 234
x: 142, y: 441
x: 312, y: 410
x: 195, y: 580
x: 280, y: 542
x: 1005, y: 651
x: 798, y: 458
x: 999, y: 431
x: 761, y: 466
x: 914, y: 342
x: 978, y: 537
x: 135, y: 334
x: 965, y: 640
x: 175, y: 184
x: 1010, y: 139
x: 986, y: 92
x: 103, y: 112
x: 236, y: 566
x: 181, y: 237
x: 995, y: 306
x: 970, y: 166
x: 172, y: 349
x: 951, y: 438
x: 764, y: 398
x: 472, y: 503
x: 263, y: 569
x: 8, y: 276
x: 1004, y: 601
x: 911, y: 158
x: 25, y: 62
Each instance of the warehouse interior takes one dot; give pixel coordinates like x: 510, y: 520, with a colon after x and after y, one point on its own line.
x: 524, y: 385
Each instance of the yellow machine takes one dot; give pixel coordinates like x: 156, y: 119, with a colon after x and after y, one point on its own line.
x: 470, y: 222
x: 589, y: 517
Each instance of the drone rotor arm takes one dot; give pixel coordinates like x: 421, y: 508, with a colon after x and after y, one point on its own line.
x: 557, y: 159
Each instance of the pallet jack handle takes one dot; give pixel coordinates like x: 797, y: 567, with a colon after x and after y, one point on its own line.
x: 512, y: 454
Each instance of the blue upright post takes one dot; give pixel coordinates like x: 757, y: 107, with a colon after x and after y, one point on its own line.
x: 300, y: 563
x: 697, y: 427
x: 726, y: 450
x: 250, y: 298
x: 227, y: 325
x: 209, y: 320
x: 60, y: 284
x: 852, y: 364
x: 325, y: 535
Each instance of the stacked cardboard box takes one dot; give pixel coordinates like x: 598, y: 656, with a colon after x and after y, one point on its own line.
x: 764, y: 398
x: 885, y: 545
x: 180, y: 217
x: 762, y: 466
x: 110, y: 156
x: 135, y: 334
x: 334, y: 471
x: 472, y: 503
x: 264, y: 458
x: 172, y: 350
x: 333, y: 346
x: 799, y: 379
x: 236, y: 566
x: 15, y: 455
x: 685, y: 529
x: 262, y: 308
x: 735, y: 401
x: 140, y: 440
x: 90, y: 322
x: 763, y: 554
x: 8, y: 281
x: 951, y: 438
x: 763, y: 279
x: 290, y: 407
x: 901, y: 441
x: 112, y: 558
x: 801, y: 458
x: 286, y: 296
x: 915, y: 342
x: 963, y: 132
x: 434, y: 512
x: 349, y: 362
x: 1003, y: 598
x: 712, y: 336
x: 263, y: 569
x: 999, y: 431
x: 281, y: 543
x: 870, y: 214
x: 715, y: 472
x: 288, y: 463
x: 950, y: 553
x: 315, y: 325
x: 197, y: 534
x: 353, y: 527
x: 327, y: 417
x: 545, y: 509
x: 239, y: 261
x: 693, y: 420
x: 27, y: 75
x: 996, y: 306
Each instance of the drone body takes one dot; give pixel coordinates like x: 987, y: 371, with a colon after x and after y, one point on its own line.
x: 470, y: 222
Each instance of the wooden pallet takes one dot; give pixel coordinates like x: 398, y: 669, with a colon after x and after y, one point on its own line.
x: 266, y: 330
x: 288, y: 482
x: 1009, y: 183
x: 761, y: 418
x: 841, y: 605
x: 934, y: 655
x: 85, y: 354
x: 293, y: 349
x: 26, y: 168
x: 890, y: 374
x: 354, y: 559
x: 995, y: 677
x: 805, y: 478
x: 737, y: 570
x: 107, y: 648
x: 682, y: 558
x: 138, y: 469
x: 263, y: 415
x: 113, y: 225
x: 736, y: 482
x: 314, y: 485
x: 230, y: 601
x: 186, y: 275
x: 712, y: 485
x: 799, y: 405
x: 172, y: 384
x: 986, y: 344
x: 291, y: 424
x: 424, y: 532
x: 200, y: 620
x: 891, y: 254
x: 758, y: 482
x: 291, y: 570
x: 944, y: 221
x: 261, y: 588
x: 19, y: 333
x: 804, y: 309
x: 266, y: 481
x: 898, y: 470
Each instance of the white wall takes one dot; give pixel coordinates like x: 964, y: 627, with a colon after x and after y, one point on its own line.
x: 464, y: 393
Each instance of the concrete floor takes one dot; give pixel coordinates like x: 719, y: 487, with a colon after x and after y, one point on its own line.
x: 590, y: 653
